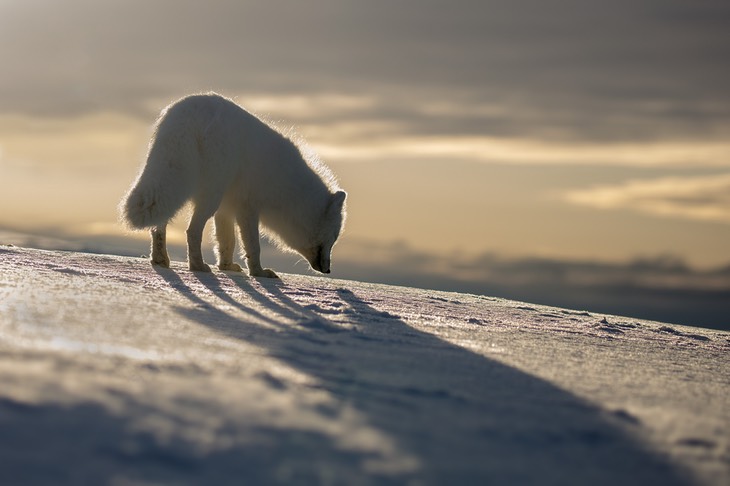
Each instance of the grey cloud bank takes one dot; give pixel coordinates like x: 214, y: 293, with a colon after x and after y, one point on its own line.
x: 563, y: 70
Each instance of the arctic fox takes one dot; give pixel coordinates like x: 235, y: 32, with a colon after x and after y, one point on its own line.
x: 208, y: 150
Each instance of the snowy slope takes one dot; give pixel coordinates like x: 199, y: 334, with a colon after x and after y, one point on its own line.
x: 114, y: 372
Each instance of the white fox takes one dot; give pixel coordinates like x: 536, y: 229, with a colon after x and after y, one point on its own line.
x: 208, y: 150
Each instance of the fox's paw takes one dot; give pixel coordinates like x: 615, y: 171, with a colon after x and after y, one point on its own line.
x: 231, y: 267
x: 199, y: 267
x: 264, y: 272
x: 160, y: 262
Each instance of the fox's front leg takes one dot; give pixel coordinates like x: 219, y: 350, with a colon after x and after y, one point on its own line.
x: 226, y: 241
x: 249, y: 226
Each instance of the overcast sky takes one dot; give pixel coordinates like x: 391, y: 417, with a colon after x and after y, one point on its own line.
x: 565, y: 69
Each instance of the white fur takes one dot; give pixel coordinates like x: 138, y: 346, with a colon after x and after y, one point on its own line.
x: 208, y: 150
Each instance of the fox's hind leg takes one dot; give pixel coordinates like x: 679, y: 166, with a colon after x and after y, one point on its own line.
x: 204, y: 210
x: 226, y: 238
x: 159, y: 246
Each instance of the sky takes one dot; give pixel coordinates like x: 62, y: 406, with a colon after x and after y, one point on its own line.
x: 471, y: 136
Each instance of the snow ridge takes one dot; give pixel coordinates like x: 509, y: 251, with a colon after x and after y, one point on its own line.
x: 170, y: 376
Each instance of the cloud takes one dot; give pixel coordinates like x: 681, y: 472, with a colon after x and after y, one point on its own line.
x: 662, y: 288
x: 613, y: 72
x: 526, y: 151
x: 101, y: 141
x: 343, y: 128
x: 704, y: 198
x: 362, y: 127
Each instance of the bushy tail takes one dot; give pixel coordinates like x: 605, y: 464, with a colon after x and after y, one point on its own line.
x: 155, y: 197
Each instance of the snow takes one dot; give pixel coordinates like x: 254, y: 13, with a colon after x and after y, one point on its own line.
x: 115, y: 372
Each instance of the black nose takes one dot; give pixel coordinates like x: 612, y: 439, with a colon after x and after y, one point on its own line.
x: 326, y: 271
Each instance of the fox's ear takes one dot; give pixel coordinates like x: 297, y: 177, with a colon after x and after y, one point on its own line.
x: 338, y: 198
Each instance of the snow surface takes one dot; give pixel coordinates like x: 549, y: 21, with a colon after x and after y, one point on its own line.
x: 115, y: 372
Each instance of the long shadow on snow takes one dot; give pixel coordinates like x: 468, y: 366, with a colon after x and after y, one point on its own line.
x: 465, y: 418
x: 87, y: 444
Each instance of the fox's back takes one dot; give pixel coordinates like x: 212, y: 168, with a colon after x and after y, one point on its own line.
x: 228, y: 146
x: 209, y: 116
x: 210, y: 132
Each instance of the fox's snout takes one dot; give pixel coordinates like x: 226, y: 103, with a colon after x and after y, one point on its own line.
x: 318, y: 267
x: 319, y: 261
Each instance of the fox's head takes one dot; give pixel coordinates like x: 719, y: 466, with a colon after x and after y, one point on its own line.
x: 312, y: 234
x: 323, y: 236
x: 308, y: 213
